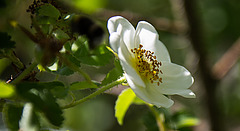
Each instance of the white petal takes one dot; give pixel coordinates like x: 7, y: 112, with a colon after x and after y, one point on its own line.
x: 129, y: 66
x: 152, y: 96
x: 114, y: 40
x: 175, y: 78
x: 133, y: 83
x: 148, y: 37
x: 149, y: 95
x: 187, y: 93
x: 124, y: 28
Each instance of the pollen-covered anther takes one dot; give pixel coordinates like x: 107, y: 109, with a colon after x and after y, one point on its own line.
x: 147, y: 64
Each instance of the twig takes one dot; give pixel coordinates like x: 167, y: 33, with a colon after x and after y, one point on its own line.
x: 25, y: 73
x: 209, y: 82
x: 74, y: 67
x: 227, y: 61
x: 15, y: 60
x: 159, y: 119
x: 178, y: 12
x: 98, y: 92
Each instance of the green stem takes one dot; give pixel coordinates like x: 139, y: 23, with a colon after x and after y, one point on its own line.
x: 75, y: 67
x: 101, y: 90
x: 25, y: 73
x: 15, y: 60
x: 158, y: 118
x: 73, y: 97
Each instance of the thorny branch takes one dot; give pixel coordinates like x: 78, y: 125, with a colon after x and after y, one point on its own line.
x: 227, y: 61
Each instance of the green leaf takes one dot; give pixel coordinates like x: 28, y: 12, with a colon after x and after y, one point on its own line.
x: 187, y: 122
x: 50, y: 108
x: 46, y: 28
x: 67, y: 46
x: 123, y: 102
x: 138, y: 101
x: 6, y: 90
x: 47, y: 14
x: 45, y: 20
x: 48, y: 10
x: 59, y: 91
x: 57, y: 88
x: 82, y: 85
x: 59, y: 34
x: 5, y: 41
x: 40, y: 96
x: 80, y: 47
x: 73, y: 59
x: 12, y: 114
x: 184, y: 119
x: 98, y: 57
x: 63, y: 69
x: 114, y: 74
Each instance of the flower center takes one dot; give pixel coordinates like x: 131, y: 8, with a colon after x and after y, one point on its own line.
x: 147, y: 64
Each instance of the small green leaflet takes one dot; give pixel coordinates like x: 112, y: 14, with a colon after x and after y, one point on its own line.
x: 183, y: 119
x: 47, y: 14
x: 138, y: 101
x: 114, y: 74
x: 60, y: 34
x: 123, y: 102
x: 63, y: 69
x: 97, y: 57
x: 5, y: 41
x: 49, y: 10
x: 11, y: 115
x: 187, y: 122
x: 6, y: 90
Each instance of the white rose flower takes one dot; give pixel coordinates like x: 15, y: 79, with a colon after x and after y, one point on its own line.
x: 146, y: 62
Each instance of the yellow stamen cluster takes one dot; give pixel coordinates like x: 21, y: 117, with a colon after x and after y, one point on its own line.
x: 147, y: 64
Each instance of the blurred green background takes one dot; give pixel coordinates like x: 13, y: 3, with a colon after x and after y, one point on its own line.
x: 221, y: 22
